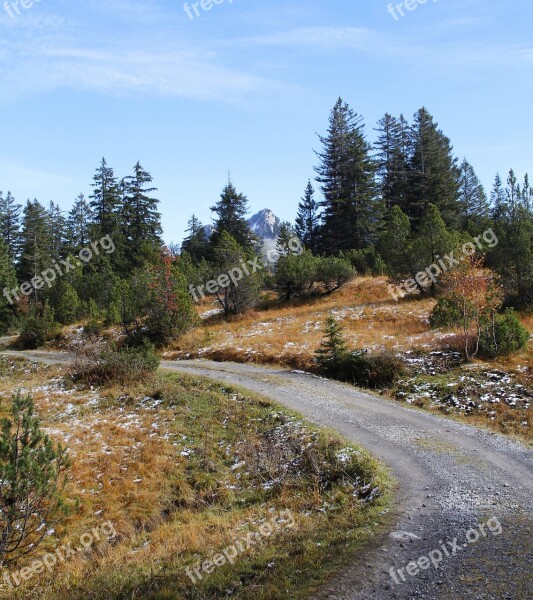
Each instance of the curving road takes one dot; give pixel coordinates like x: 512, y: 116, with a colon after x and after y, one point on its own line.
x: 465, y: 502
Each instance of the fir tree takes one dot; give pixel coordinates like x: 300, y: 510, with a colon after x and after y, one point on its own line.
x: 308, y: 220
x: 57, y: 231
x: 8, y: 282
x: 346, y: 174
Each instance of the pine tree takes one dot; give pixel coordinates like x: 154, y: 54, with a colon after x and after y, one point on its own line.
x: 346, y: 173
x: 231, y: 211
x: 78, y: 225
x: 195, y: 244
x: 435, y: 176
x: 32, y: 475
x: 140, y: 217
x: 308, y: 220
x: 473, y: 200
x: 10, y: 223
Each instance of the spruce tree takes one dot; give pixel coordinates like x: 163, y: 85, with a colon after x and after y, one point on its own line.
x: 498, y: 199
x: 140, y: 218
x: 434, y: 172
x: 8, y: 282
x: 392, y: 155
x: 332, y: 353
x: 195, y: 244
x: 58, y: 227
x: 285, y: 236
x: 231, y: 211
x: 346, y: 173
x: 473, y: 200
x: 36, y: 244
x: 78, y: 225
x: 10, y: 213
x: 308, y: 220
x: 106, y: 202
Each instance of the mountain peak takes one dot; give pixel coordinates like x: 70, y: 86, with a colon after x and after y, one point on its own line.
x: 265, y: 224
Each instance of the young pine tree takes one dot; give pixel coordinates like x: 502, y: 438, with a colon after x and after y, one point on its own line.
x: 32, y: 478
x: 332, y: 352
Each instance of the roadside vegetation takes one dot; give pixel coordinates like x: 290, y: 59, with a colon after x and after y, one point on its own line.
x: 182, y: 467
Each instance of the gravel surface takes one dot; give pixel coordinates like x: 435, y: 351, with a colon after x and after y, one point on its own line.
x: 461, y: 487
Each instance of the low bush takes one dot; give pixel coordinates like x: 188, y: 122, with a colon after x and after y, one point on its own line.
x: 504, y: 336
x: 333, y: 272
x: 97, y: 365
x: 38, y: 327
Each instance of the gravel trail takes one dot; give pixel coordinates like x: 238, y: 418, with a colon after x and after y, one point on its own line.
x: 453, y: 478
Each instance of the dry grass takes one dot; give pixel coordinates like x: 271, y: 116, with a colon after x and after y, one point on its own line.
x: 289, y: 334
x: 157, y: 459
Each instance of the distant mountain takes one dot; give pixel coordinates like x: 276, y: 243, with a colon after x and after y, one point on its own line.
x: 265, y: 224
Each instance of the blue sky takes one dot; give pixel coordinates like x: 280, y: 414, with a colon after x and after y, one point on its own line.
x: 246, y: 86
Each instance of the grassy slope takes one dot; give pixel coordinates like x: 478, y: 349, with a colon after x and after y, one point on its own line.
x: 288, y: 334
x: 182, y: 467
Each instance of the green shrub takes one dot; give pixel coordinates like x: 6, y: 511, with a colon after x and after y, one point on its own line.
x: 373, y: 369
x: 504, y: 336
x: 446, y: 313
x: 333, y: 272
x: 295, y: 274
x: 38, y: 327
x: 366, y: 262
x: 107, y: 366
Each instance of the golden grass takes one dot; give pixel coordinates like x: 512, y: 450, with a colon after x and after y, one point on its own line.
x: 156, y: 459
x: 289, y: 334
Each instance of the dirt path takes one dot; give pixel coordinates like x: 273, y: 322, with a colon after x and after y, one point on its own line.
x: 453, y: 477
